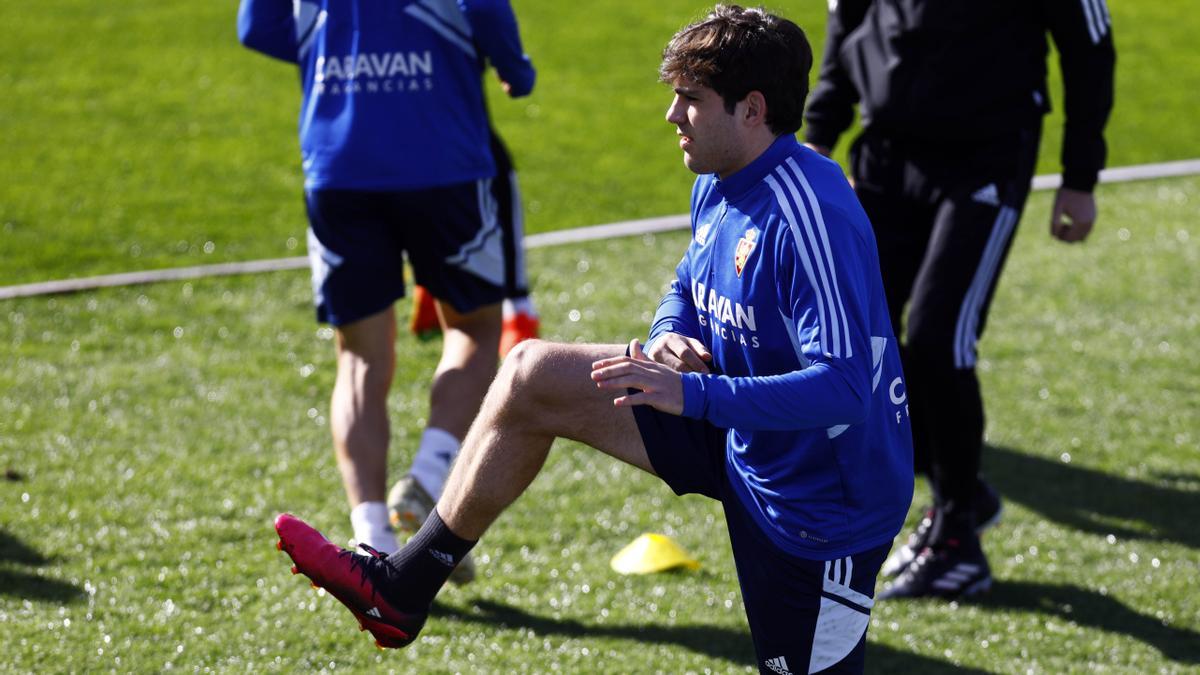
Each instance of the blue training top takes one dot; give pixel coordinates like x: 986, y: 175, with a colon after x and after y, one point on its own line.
x: 781, y: 282
x: 393, y: 98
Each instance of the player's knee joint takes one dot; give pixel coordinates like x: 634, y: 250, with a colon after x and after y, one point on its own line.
x: 524, y: 366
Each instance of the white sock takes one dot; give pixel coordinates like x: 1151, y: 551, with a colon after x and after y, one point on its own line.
x: 371, y: 527
x: 434, y: 456
x: 514, y: 306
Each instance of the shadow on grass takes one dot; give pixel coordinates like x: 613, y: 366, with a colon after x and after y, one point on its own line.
x: 30, y: 586
x: 1090, y: 501
x: 15, y: 550
x: 720, y: 643
x: 1089, y: 608
x: 18, y: 584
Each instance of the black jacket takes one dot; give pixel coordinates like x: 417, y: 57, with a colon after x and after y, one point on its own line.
x: 953, y: 71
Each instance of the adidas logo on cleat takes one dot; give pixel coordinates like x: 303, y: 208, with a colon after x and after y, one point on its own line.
x: 778, y: 665
x: 374, y: 611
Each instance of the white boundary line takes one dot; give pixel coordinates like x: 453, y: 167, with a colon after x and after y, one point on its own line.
x: 626, y: 228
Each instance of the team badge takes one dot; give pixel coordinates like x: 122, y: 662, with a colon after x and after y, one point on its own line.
x: 745, y: 247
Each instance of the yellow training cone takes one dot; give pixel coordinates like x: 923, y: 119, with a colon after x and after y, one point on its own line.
x: 651, y: 553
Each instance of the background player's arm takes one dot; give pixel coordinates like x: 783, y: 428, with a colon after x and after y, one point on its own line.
x: 495, y: 28
x: 1083, y: 35
x: 830, y: 108
x: 268, y: 26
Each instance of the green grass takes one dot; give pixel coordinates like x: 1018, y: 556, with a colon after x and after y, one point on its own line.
x: 158, y: 429
x: 140, y: 135
x: 152, y: 432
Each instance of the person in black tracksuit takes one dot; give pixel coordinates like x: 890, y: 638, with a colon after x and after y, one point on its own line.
x: 951, y: 96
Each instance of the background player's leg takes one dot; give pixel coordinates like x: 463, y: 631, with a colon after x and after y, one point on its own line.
x: 966, y: 251
x: 467, y: 366
x: 359, y: 421
x: 902, y: 230
x: 895, y: 198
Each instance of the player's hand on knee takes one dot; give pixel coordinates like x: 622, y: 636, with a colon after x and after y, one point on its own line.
x: 659, y: 385
x: 683, y: 354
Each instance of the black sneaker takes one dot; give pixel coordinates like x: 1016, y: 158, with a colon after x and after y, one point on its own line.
x: 954, y: 569
x: 988, y: 511
x: 903, y: 555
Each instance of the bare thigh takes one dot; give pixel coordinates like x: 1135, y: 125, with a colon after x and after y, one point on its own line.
x: 548, y: 387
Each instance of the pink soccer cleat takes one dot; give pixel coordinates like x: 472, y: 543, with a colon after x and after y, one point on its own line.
x: 355, y: 580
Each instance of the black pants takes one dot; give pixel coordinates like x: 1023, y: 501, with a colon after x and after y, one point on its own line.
x: 944, y: 217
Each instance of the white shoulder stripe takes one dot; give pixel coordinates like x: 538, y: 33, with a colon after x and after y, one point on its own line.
x: 308, y: 22
x: 817, y: 240
x: 826, y: 249
x: 450, y: 12
x: 805, y: 260
x: 419, y: 13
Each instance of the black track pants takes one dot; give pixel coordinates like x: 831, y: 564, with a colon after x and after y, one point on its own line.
x: 944, y: 219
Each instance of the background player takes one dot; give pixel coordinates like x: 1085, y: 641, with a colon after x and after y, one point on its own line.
x: 395, y: 143
x: 951, y: 97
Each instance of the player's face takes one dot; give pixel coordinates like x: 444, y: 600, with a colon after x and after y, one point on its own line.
x: 708, y: 134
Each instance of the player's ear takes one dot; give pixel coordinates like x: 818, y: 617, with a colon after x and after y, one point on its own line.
x: 755, y: 112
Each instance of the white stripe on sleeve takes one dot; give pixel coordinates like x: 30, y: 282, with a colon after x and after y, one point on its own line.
x: 806, y: 240
x: 805, y: 261
x: 421, y: 14
x: 826, y: 250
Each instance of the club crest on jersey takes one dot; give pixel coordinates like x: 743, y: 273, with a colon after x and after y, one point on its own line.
x: 745, y: 247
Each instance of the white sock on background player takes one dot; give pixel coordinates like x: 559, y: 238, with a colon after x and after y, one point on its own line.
x: 515, y: 306
x: 371, y: 527
x: 434, y: 456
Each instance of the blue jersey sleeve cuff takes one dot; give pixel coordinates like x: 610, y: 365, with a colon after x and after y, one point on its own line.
x: 695, y: 398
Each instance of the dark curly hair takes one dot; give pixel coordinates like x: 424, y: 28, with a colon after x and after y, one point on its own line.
x: 734, y: 51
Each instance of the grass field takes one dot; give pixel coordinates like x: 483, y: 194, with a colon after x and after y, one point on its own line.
x: 158, y: 429
x: 151, y: 433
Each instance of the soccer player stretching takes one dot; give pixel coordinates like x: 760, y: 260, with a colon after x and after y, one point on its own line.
x: 770, y: 381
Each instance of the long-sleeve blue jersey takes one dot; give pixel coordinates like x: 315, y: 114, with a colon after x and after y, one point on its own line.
x: 781, y: 282
x: 393, y: 98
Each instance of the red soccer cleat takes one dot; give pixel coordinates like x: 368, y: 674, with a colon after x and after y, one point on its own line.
x: 517, y: 328
x: 424, y: 314
x: 351, y: 578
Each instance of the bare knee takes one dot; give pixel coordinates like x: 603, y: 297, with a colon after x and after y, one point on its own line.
x: 524, y: 366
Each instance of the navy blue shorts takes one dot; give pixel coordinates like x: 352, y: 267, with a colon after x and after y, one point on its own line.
x: 358, y: 240
x: 805, y: 615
